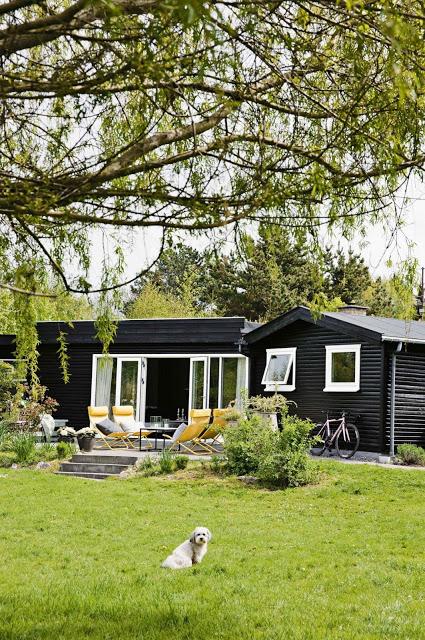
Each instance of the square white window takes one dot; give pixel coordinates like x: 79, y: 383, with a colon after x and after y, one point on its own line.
x: 279, y: 373
x: 342, y: 367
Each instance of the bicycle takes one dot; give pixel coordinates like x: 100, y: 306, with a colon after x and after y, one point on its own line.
x: 345, y: 437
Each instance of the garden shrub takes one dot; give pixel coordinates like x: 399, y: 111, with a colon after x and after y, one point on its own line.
x: 289, y: 463
x: 411, y: 454
x: 65, y: 450
x: 9, y: 381
x: 246, y: 443
x: 147, y: 467
x: 46, y: 452
x: 7, y: 458
x: 218, y: 465
x: 5, y: 435
x: 181, y: 462
x: 277, y: 458
x: 23, y: 445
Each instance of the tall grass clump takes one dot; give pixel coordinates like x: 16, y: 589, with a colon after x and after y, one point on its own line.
x: 23, y: 445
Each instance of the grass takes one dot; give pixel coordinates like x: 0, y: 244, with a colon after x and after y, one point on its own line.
x: 340, y: 560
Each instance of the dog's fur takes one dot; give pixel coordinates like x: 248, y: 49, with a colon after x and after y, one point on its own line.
x: 190, y: 551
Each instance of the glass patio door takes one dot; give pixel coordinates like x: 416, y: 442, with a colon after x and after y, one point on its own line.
x: 198, y: 383
x: 130, y: 384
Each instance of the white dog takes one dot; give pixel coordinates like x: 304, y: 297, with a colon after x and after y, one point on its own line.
x: 190, y: 551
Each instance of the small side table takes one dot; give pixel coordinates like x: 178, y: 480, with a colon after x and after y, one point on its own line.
x: 156, y: 431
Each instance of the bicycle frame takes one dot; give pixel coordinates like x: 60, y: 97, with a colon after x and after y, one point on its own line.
x: 327, y: 432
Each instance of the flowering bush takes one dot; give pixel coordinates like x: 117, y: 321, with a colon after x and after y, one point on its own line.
x: 33, y: 404
x: 66, y: 432
x: 86, y: 432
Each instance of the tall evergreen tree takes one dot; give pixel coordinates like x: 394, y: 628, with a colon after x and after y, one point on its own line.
x: 346, y: 276
x: 265, y: 278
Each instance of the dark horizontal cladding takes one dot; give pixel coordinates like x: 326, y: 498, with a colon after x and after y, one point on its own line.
x: 409, y: 424
x: 160, y: 331
x: 7, y: 351
x: 6, y: 341
x: 309, y: 395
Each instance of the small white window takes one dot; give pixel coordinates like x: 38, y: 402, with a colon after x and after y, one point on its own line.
x: 342, y: 367
x: 279, y: 374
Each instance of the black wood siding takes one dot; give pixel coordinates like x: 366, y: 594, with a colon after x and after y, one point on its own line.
x: 310, y: 341
x: 409, y: 423
x: 6, y: 352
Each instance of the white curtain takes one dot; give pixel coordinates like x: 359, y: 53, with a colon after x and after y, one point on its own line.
x: 240, y: 381
x: 104, y: 381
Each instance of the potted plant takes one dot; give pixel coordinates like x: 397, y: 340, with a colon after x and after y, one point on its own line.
x: 86, y: 438
x: 232, y: 416
x: 66, y: 434
x: 268, y: 407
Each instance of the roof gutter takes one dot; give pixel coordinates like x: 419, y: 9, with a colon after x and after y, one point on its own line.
x: 405, y: 339
x: 392, y: 397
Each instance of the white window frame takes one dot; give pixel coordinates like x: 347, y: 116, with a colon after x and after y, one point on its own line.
x: 281, y: 385
x: 342, y: 386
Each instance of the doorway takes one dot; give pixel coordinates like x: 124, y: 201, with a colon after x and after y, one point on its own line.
x: 167, y: 387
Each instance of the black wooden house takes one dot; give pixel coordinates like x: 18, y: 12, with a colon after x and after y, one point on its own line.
x: 372, y: 367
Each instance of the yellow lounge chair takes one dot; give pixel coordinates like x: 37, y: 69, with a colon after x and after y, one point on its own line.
x: 191, y: 433
x: 116, y: 438
x: 215, y: 429
x: 124, y: 417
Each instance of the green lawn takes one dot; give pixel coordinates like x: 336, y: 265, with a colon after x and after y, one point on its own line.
x: 344, y: 559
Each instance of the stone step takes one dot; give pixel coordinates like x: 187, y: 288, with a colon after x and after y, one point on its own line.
x: 91, y: 467
x: 104, y: 459
x: 86, y: 474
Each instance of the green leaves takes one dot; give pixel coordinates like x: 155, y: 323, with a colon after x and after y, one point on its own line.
x: 192, y: 116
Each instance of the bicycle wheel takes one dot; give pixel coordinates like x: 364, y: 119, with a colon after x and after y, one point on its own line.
x: 348, y: 441
x: 319, y: 447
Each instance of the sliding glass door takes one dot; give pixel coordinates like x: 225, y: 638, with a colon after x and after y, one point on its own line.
x: 216, y: 381
x: 128, y: 383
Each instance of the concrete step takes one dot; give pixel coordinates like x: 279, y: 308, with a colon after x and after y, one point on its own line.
x: 91, y: 467
x: 104, y: 459
x: 86, y: 474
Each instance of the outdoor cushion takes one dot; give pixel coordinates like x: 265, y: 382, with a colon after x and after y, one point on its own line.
x: 107, y: 427
x: 127, y: 423
x: 95, y: 412
x: 179, y: 431
x: 47, y: 424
